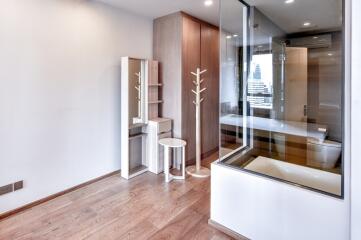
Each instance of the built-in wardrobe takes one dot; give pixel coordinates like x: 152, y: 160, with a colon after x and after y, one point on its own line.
x: 182, y: 44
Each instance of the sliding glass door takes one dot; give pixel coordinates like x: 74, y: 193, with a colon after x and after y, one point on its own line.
x: 234, y: 71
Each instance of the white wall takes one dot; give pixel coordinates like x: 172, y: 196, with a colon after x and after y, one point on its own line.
x: 60, y: 92
x: 264, y: 209
x: 355, y: 122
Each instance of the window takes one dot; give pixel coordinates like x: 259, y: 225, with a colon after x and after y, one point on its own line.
x: 260, y: 82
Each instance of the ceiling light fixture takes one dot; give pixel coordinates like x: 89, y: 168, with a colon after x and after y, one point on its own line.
x: 289, y: 1
x: 330, y: 54
x: 208, y: 3
x: 229, y: 37
x: 315, y: 37
x: 307, y: 24
x: 235, y: 35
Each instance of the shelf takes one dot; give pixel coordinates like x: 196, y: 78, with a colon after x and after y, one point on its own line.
x: 155, y: 85
x: 136, y: 125
x: 131, y: 137
x: 155, y: 102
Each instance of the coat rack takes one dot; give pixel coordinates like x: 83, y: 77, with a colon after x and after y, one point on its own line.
x: 198, y: 170
x: 138, y: 87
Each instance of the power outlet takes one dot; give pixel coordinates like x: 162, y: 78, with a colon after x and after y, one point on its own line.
x: 12, y: 187
x: 6, y: 189
x: 18, y: 185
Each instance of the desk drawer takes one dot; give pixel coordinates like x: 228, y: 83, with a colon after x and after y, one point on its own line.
x: 165, y: 126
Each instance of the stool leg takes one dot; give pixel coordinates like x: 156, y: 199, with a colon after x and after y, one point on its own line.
x: 174, y: 152
x: 183, y: 163
x: 179, y: 161
x: 166, y: 164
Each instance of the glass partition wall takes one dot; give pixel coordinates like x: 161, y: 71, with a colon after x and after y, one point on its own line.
x: 281, y: 93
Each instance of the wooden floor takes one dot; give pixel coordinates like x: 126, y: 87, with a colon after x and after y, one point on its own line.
x: 142, y: 208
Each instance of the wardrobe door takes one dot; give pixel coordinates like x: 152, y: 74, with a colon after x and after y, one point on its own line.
x: 191, y: 48
x: 210, y: 105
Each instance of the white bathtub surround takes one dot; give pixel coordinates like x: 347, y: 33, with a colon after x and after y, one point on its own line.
x: 260, y: 208
x: 305, y: 176
x: 60, y: 92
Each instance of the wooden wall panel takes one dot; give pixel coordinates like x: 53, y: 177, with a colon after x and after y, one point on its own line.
x: 325, y: 86
x: 210, y: 105
x: 181, y: 44
x: 191, y: 48
x: 153, y: 89
x: 167, y: 41
x: 295, y: 84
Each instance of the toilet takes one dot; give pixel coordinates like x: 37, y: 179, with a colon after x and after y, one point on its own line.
x: 322, y: 154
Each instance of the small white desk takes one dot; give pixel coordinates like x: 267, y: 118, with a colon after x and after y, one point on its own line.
x: 168, y: 143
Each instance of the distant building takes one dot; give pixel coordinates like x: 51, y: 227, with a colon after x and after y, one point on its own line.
x: 258, y: 88
x: 257, y: 73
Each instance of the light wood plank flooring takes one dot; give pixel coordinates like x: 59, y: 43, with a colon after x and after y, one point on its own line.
x: 143, y: 208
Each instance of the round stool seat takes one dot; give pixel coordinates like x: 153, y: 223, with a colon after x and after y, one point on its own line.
x: 175, y: 143
x: 172, y: 142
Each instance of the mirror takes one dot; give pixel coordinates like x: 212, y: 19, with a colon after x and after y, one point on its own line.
x: 137, y: 86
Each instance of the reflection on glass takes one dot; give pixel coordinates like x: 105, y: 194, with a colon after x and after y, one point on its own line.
x: 281, y: 94
x: 136, y: 73
x: 233, y: 55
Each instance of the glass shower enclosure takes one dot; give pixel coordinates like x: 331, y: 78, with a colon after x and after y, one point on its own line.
x: 281, y: 97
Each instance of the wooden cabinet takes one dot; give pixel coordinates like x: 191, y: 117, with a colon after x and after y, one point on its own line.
x: 210, y: 107
x: 182, y: 44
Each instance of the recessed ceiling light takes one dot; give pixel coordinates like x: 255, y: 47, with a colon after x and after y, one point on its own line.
x: 307, y: 24
x: 208, y: 3
x: 229, y: 37
x: 330, y: 54
x: 315, y: 37
x: 289, y: 1
x: 235, y: 35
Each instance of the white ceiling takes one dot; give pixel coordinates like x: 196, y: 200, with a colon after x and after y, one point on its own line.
x: 158, y: 8
x: 323, y: 14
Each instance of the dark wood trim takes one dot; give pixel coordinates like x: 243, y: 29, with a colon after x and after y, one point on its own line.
x: 314, y: 32
x: 203, y: 156
x: 226, y: 230
x: 200, y: 21
x: 55, y: 195
x: 191, y: 59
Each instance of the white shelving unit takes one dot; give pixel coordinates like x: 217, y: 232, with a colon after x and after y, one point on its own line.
x: 157, y: 129
x: 141, y: 128
x: 153, y: 86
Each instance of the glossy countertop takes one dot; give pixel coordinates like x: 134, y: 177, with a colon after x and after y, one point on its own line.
x: 303, y: 129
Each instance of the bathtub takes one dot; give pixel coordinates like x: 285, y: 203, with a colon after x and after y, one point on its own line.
x: 305, y: 176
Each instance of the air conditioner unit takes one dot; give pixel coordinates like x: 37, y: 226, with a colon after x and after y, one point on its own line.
x: 316, y: 41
